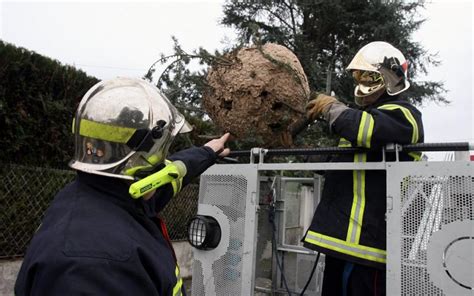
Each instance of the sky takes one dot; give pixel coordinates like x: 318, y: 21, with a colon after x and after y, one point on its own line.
x: 109, y: 39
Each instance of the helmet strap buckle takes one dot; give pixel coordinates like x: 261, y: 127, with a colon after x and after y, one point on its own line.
x: 144, y: 139
x: 157, y: 131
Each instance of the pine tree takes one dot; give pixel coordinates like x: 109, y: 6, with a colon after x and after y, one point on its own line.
x: 325, y: 35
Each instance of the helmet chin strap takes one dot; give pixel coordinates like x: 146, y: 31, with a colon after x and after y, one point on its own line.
x: 370, y: 99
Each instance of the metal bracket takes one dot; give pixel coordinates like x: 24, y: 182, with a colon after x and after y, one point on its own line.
x: 253, y: 152
x: 394, y: 148
x: 262, y: 154
x: 257, y: 151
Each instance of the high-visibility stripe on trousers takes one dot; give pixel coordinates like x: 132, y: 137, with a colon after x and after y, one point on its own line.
x: 356, y: 250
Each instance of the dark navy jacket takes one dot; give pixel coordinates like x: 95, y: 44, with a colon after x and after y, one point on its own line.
x: 96, y: 240
x: 349, y: 222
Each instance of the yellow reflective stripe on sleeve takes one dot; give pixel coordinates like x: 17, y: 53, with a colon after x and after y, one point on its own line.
x: 179, y: 283
x: 408, y: 116
x: 366, y: 128
x: 361, y: 128
x: 352, y: 249
x: 358, y: 201
x: 344, y: 143
x: 106, y: 132
x: 370, y: 132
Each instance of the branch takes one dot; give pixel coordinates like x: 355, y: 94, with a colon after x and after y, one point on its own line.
x: 167, y: 69
x: 179, y: 57
x: 194, y: 109
x: 279, y: 18
x: 292, y: 18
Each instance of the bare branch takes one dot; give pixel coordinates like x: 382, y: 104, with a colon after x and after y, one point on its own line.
x: 290, y: 6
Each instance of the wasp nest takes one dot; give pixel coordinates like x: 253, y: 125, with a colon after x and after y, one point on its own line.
x: 257, y: 93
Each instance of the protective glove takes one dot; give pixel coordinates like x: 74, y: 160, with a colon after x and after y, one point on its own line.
x: 286, y: 139
x: 319, y: 106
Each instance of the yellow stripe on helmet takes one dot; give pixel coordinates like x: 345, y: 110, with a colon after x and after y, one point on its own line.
x: 106, y: 132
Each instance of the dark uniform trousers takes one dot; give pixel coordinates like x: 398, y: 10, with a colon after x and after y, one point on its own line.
x: 349, y: 223
x: 346, y: 278
x: 97, y: 240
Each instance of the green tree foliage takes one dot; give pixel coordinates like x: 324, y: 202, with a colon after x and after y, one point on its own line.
x: 183, y: 83
x: 38, y: 97
x: 325, y: 35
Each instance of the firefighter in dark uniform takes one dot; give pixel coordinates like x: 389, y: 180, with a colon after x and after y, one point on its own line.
x: 349, y: 224
x: 95, y: 239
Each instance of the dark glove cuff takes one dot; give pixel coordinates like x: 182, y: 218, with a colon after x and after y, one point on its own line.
x: 211, y: 152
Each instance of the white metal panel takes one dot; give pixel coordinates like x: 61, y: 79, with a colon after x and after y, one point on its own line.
x: 423, y: 198
x: 229, y: 194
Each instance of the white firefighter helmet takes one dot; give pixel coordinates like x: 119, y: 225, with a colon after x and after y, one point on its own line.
x: 379, y: 65
x: 123, y: 126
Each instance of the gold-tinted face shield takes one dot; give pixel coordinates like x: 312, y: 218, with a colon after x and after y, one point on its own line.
x: 368, y: 82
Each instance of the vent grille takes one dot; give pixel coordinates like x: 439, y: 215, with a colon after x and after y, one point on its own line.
x: 229, y: 194
x: 428, y: 203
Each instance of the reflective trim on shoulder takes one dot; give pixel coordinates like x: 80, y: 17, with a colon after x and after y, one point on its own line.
x: 106, y: 132
x: 408, y: 116
x: 366, y: 129
x: 358, y: 202
x: 338, y: 245
x: 179, y: 283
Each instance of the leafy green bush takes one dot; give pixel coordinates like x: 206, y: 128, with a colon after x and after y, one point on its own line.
x: 38, y: 97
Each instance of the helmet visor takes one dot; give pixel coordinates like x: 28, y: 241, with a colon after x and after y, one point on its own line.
x: 368, y: 82
x: 101, y: 146
x: 124, y: 125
